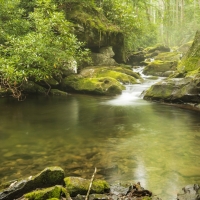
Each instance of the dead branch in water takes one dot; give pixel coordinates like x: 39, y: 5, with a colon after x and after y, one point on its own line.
x: 92, y: 179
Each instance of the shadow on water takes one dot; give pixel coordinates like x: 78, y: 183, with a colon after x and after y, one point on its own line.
x: 126, y: 138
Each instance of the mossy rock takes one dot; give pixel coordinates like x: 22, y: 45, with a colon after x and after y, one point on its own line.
x: 56, y: 92
x: 56, y: 192
x: 76, y: 185
x: 100, y: 86
x: 32, y: 88
x: 158, y: 47
x: 168, y: 56
x: 121, y: 74
x: 191, y: 60
x: 177, y: 90
x: 158, y: 67
x: 128, y: 71
x: 50, y: 176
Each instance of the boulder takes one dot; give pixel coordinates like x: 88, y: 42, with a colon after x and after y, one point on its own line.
x: 100, y: 86
x: 76, y: 185
x: 56, y: 92
x: 176, y: 90
x: 48, y: 177
x: 159, y: 68
x: 135, y: 58
x: 31, y: 87
x: 55, y: 192
x: 104, y: 57
x: 151, y: 52
x: 121, y: 74
x: 168, y: 56
x: 191, y: 60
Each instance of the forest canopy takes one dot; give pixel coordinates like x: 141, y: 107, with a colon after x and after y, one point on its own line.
x: 37, y: 39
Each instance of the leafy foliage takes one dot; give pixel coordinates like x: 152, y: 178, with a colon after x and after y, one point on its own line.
x: 44, y: 51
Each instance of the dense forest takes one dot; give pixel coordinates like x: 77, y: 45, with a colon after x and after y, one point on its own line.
x: 38, y: 37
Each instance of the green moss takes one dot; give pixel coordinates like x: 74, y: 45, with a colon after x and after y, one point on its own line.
x: 194, y: 73
x: 49, y: 176
x: 75, y: 185
x: 159, y: 91
x: 91, y: 17
x: 168, y: 56
x: 103, y: 86
x: 159, y: 66
x: 127, y: 71
x: 121, y: 77
x: 48, y: 193
x: 189, y: 64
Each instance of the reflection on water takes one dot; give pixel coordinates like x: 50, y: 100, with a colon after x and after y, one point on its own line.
x: 126, y: 138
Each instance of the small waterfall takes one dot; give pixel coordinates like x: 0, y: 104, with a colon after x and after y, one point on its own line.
x: 133, y: 93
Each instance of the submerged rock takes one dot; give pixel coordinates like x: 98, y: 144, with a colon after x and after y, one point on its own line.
x: 189, y: 192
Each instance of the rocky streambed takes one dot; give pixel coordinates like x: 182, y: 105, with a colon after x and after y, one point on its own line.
x: 52, y: 184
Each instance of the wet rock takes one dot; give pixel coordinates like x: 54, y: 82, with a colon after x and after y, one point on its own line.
x: 55, y: 192
x: 179, y: 90
x: 104, y: 57
x: 56, y: 92
x: 100, y: 59
x: 76, y: 185
x: 158, y: 67
x: 32, y: 88
x: 99, y: 86
x: 189, y: 192
x: 92, y: 197
x: 121, y: 74
x: 48, y: 177
x: 136, y: 58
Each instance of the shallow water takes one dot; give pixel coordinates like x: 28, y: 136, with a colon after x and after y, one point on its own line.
x: 126, y: 138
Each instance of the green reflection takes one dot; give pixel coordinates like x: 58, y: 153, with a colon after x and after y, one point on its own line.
x: 155, y: 144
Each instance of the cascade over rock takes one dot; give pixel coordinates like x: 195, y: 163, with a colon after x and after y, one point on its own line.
x: 185, y: 89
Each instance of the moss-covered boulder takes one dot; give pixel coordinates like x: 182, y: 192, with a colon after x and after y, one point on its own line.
x: 102, y: 80
x: 159, y: 67
x: 76, y: 185
x: 48, y: 177
x: 99, y: 86
x: 31, y: 87
x: 48, y: 193
x: 151, y: 52
x: 121, y: 74
x: 168, y: 56
x: 56, y: 92
x: 191, y: 61
x: 182, y: 90
x: 135, y: 58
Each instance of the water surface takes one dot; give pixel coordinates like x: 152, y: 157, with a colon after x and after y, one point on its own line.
x: 126, y: 138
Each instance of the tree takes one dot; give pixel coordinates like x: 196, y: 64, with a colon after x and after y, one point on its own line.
x: 43, y: 52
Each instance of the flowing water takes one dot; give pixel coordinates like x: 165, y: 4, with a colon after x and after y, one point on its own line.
x: 126, y: 138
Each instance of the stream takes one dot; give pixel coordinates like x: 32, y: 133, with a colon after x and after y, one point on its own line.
x: 127, y: 138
